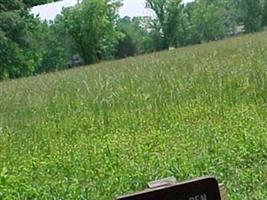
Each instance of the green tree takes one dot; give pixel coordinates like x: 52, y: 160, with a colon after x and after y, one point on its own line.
x: 231, y: 13
x: 264, y: 19
x: 184, y: 33
x: 252, y: 11
x: 9, y: 5
x: 187, y: 33
x: 91, y: 25
x: 167, y: 13
x: 55, y: 45
x: 208, y: 21
x: 19, y: 53
x: 127, y: 45
x: 143, y: 38
x: 136, y: 36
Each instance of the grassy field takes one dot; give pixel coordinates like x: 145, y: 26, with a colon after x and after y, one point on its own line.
x: 104, y: 130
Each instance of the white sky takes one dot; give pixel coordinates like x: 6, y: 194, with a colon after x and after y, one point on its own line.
x: 130, y: 8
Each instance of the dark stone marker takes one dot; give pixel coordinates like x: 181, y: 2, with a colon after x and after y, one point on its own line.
x: 206, y: 188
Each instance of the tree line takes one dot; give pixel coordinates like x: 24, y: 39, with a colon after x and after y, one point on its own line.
x: 93, y: 31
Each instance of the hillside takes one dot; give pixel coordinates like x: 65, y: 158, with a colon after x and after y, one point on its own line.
x: 100, y: 131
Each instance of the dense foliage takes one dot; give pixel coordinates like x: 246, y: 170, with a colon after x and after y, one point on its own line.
x: 93, y: 31
x: 135, y: 36
x: 252, y: 14
x: 92, y: 26
x: 19, y: 53
x: 108, y: 129
x: 167, y: 12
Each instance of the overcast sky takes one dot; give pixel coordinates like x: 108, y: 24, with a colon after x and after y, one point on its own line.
x: 130, y: 8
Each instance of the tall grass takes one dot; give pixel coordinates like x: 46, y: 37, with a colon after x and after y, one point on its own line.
x: 107, y: 129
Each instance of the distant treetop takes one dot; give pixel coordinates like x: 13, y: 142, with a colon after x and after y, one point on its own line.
x: 17, y: 4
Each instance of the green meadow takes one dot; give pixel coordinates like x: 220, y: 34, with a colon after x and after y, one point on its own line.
x: 107, y: 129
